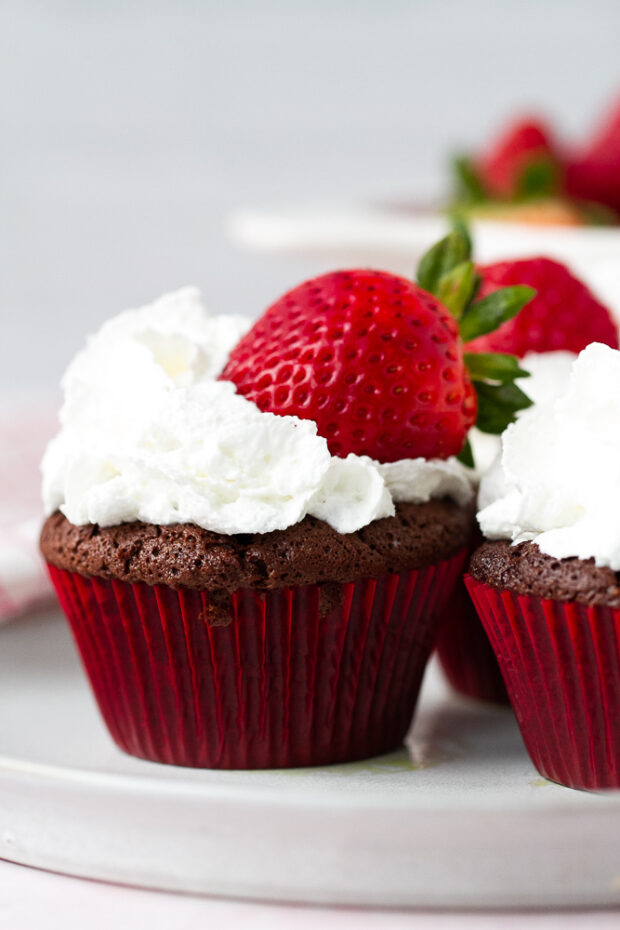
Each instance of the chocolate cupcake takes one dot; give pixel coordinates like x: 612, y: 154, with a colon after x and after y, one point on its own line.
x: 240, y: 597
x: 547, y: 588
x: 297, y: 647
x: 253, y: 542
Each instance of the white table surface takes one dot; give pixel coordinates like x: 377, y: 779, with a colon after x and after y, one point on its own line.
x: 30, y: 899
x: 129, y: 132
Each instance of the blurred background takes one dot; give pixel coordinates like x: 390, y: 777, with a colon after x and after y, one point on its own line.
x: 130, y: 130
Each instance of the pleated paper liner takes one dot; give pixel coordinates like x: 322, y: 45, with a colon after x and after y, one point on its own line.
x: 561, y: 665
x: 308, y: 675
x: 465, y: 653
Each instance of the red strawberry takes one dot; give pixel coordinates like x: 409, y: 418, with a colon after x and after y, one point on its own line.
x: 372, y: 358
x: 563, y: 315
x: 377, y: 361
x: 522, y: 162
x: 594, y: 174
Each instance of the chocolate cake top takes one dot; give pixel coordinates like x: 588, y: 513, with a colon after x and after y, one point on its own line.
x: 310, y: 552
x: 524, y: 569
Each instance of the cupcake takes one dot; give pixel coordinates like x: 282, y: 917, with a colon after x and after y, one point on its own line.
x: 560, y: 321
x: 546, y: 583
x: 253, y: 535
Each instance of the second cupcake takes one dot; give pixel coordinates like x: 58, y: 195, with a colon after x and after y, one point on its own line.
x: 546, y: 584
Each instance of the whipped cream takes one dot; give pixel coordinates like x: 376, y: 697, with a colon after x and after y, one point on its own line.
x: 558, y: 479
x: 148, y: 434
x: 549, y: 373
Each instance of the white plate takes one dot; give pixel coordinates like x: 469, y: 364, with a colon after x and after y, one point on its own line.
x: 395, y: 240
x: 468, y: 823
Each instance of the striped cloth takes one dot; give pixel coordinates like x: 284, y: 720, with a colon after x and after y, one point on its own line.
x: 26, y: 424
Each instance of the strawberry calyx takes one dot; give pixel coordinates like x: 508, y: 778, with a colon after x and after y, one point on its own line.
x: 542, y: 196
x: 448, y: 272
x: 523, y: 164
x: 526, y: 175
x: 539, y: 177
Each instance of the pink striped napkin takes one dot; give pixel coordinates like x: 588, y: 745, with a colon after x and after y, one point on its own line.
x: 26, y: 424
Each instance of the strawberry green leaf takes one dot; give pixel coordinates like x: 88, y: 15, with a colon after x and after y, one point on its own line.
x: 460, y: 226
x: 466, y: 455
x: 497, y: 406
x: 447, y: 271
x: 445, y: 255
x: 469, y: 186
x: 487, y: 314
x: 455, y: 288
x: 494, y: 366
x: 540, y: 177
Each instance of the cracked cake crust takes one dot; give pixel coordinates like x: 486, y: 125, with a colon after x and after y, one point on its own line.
x: 524, y: 569
x: 310, y: 552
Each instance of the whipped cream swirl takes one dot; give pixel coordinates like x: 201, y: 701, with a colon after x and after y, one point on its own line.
x: 558, y: 479
x: 549, y: 373
x: 149, y: 434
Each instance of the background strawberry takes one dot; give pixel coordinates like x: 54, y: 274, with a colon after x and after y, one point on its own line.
x: 522, y: 164
x: 522, y: 161
x: 376, y: 360
x: 563, y: 315
x: 594, y: 174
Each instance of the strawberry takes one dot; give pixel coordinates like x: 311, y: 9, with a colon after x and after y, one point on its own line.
x: 505, y: 166
x: 523, y: 164
x: 594, y: 174
x: 376, y: 360
x: 563, y: 315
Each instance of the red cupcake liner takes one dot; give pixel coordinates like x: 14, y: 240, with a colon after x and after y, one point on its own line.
x: 561, y: 665
x: 465, y: 653
x: 301, y: 676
